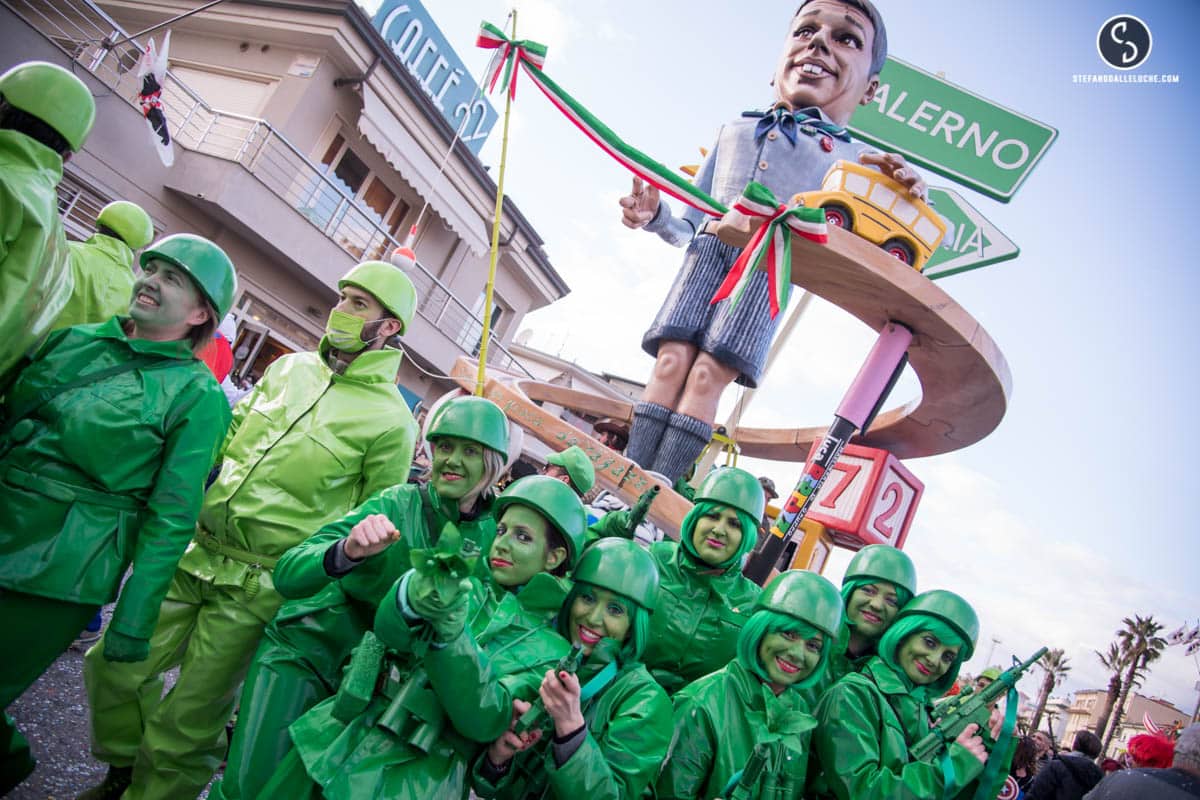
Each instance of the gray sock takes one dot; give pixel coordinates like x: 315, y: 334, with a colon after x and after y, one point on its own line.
x: 649, y: 421
x: 682, y: 443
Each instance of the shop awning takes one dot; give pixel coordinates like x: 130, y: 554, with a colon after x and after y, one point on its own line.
x: 383, y: 130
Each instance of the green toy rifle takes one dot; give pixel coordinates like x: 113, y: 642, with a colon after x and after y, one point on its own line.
x: 744, y: 785
x: 534, y: 717
x: 631, y: 517
x: 969, y: 706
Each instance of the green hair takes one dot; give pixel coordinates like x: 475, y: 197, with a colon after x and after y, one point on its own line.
x: 639, y: 627
x: 765, y: 621
x: 913, y: 625
x: 705, y: 507
x: 850, y: 587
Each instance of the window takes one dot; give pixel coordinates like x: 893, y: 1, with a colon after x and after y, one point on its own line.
x: 470, y: 338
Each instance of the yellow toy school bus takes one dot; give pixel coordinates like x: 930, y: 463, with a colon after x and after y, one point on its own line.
x: 867, y: 202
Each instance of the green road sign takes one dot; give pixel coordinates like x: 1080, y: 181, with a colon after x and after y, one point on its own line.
x: 971, y: 241
x: 954, y: 132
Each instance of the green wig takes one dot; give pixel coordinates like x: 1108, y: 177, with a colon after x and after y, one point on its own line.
x: 639, y: 624
x: 703, y: 508
x: 765, y: 621
x: 913, y: 625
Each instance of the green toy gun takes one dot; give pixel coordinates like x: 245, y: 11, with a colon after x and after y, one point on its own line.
x: 534, y: 717
x: 631, y: 517
x: 969, y: 706
x: 744, y: 785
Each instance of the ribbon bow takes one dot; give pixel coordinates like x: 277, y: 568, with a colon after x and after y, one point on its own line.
x: 771, y: 241
x: 531, y: 54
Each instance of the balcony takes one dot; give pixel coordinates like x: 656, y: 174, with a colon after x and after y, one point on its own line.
x: 249, y: 149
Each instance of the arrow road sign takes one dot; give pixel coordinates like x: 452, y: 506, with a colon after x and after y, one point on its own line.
x: 971, y: 241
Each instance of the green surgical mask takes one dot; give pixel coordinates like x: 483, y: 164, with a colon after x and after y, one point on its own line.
x: 344, y: 331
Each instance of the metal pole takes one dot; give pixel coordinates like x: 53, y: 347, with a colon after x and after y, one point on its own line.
x: 110, y: 45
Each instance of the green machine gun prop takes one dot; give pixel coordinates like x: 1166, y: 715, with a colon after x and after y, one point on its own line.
x: 536, y: 715
x: 630, y: 518
x: 744, y: 785
x: 967, y: 707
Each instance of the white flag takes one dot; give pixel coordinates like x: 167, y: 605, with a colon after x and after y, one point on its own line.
x: 152, y: 70
x: 1177, y: 636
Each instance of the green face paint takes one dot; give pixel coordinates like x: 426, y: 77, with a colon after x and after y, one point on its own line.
x: 598, y: 614
x: 717, y: 536
x: 924, y: 658
x: 871, y: 609
x: 787, y: 658
x: 519, y: 549
x: 457, y: 466
x: 164, y: 297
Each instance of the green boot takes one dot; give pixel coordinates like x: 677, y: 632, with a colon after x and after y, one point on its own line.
x: 112, y: 787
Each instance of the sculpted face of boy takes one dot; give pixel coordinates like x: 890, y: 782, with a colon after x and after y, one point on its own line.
x: 826, y: 60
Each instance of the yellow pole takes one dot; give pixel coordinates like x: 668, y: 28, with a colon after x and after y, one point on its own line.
x: 495, y: 252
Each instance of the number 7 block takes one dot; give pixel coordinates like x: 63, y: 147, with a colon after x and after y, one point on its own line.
x: 870, y: 498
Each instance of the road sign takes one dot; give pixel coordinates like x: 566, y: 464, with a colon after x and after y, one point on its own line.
x: 954, y: 132
x: 971, y: 241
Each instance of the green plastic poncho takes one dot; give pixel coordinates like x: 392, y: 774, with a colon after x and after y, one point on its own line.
x: 103, y: 271
x: 700, y: 612
x: 35, y: 274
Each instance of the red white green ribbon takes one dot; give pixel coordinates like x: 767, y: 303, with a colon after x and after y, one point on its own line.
x: 773, y: 242
x: 529, y: 54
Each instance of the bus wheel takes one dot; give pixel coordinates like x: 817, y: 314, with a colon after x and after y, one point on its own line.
x: 837, y: 215
x: 899, y: 249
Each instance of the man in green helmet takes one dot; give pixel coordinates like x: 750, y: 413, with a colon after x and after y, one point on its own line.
x: 102, y: 267
x: 572, y: 467
x: 45, y: 115
x: 320, y: 433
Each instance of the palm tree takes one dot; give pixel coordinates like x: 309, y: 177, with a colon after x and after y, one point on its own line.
x: 1113, y: 660
x: 1054, y: 664
x: 1142, y: 644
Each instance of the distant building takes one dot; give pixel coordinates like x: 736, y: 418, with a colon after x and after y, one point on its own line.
x: 303, y: 144
x: 1084, y: 714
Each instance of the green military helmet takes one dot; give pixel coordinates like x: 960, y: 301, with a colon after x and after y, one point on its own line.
x: 733, y: 487
x: 128, y: 221
x: 806, y: 596
x: 387, y: 284
x: 476, y: 419
x: 578, y: 466
x: 621, y: 566
x: 555, y: 501
x: 206, y: 263
x: 54, y: 95
x: 991, y: 673
x: 881, y: 562
x: 949, y: 608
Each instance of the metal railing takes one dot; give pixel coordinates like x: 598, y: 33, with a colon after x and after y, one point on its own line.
x: 80, y: 28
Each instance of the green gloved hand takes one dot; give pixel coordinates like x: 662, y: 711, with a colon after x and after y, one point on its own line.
x: 126, y: 649
x: 431, y: 596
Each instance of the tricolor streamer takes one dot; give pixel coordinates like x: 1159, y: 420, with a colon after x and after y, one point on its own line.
x: 773, y: 242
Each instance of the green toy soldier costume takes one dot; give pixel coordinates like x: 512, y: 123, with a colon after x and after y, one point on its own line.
x: 703, y: 598
x: 319, y: 434
x: 73, y: 517
x: 102, y: 266
x: 869, y: 719
x: 454, y: 663
x: 303, y: 650
x: 611, y: 722
x: 756, y: 703
x: 46, y: 113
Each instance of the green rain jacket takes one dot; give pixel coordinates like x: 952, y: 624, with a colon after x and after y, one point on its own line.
x: 694, y: 629
x: 718, y: 721
x: 103, y: 271
x: 438, y: 707
x: 35, y: 274
x: 866, y: 723
x: 338, y: 611
x: 841, y: 664
x: 306, y: 446
x: 107, y: 473
x: 628, y: 728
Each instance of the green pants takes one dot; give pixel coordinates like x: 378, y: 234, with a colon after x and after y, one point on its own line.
x: 175, y: 743
x: 298, y: 664
x: 36, y: 631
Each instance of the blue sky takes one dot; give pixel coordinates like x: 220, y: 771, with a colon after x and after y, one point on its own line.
x: 1079, y: 509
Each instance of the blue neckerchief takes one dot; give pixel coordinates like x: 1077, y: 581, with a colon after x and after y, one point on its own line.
x: 807, y: 120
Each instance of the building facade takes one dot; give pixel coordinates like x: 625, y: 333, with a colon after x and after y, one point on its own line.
x: 1084, y: 714
x: 303, y: 144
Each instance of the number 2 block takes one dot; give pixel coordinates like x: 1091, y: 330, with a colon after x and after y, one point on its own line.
x: 869, y: 497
